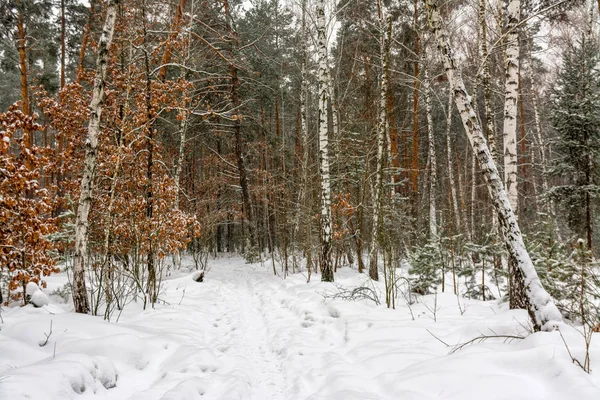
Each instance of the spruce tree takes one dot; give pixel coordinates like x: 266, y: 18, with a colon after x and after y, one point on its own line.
x: 576, y: 121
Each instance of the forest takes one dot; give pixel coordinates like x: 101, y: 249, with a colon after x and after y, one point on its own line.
x: 431, y: 147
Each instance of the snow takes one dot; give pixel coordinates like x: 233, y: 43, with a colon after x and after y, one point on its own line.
x: 246, y: 334
x: 39, y: 299
x: 31, y: 288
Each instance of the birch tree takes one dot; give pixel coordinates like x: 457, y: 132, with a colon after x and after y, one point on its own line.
x: 433, y: 232
x: 80, y: 300
x: 511, y: 89
x: 380, y: 162
x: 323, y: 88
x: 540, y: 306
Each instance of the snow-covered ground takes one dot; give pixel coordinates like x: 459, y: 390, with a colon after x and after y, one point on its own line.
x: 246, y: 334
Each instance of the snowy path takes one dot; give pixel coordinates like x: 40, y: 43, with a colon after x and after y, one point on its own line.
x: 245, y: 334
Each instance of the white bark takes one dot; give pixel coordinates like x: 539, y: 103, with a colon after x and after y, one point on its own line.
x: 540, y: 305
x: 433, y: 232
x: 510, y: 103
x: 180, y: 157
x: 326, y: 226
x: 80, y: 299
x: 380, y: 161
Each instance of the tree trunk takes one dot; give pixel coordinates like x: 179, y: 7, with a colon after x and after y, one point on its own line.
x: 433, y: 231
x: 326, y: 226
x: 450, y: 166
x: 21, y: 47
x: 151, y: 285
x: 542, y: 311
x: 80, y: 299
x: 510, y: 103
x: 299, y: 213
x: 516, y: 296
x: 239, y: 142
x: 486, y: 82
x: 415, y: 115
x: 490, y: 133
x: 84, y: 41
x: 376, y: 242
x: 62, y: 43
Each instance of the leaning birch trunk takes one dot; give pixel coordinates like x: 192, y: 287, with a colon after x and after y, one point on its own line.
x: 80, y: 300
x: 510, y: 103
x: 433, y: 232
x: 326, y: 226
x: 381, y: 134
x: 540, y: 306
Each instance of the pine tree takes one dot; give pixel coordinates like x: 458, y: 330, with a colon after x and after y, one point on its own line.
x: 576, y: 121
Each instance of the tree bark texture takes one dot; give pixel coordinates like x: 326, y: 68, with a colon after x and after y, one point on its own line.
x: 326, y: 225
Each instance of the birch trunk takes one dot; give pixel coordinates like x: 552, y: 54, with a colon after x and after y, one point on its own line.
x: 326, y: 226
x: 80, y: 300
x: 511, y: 99
x: 380, y: 162
x: 511, y: 89
x: 433, y: 232
x: 540, y: 306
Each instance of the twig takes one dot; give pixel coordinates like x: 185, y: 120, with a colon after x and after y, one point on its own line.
x: 182, y: 296
x: 573, y: 359
x: 440, y: 340
x: 483, y: 338
x: 47, y: 336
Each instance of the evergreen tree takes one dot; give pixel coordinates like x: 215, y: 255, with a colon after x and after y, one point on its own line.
x: 576, y: 121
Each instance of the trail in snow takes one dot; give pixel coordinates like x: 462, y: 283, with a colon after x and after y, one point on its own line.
x: 245, y: 334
